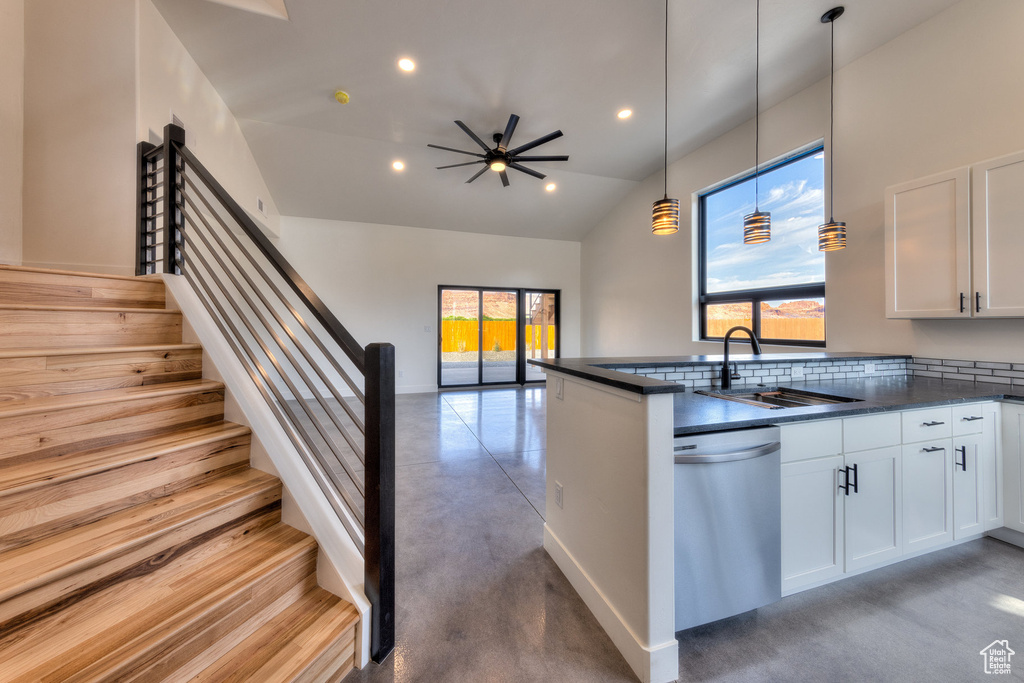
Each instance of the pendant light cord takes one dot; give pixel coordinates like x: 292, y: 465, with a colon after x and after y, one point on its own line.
x: 666, y: 99
x: 831, y: 123
x: 757, y: 99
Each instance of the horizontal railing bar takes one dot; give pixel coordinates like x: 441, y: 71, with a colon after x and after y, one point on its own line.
x: 280, y: 370
x: 291, y: 359
x: 314, y: 467
x: 238, y: 266
x: 295, y: 281
x: 295, y: 313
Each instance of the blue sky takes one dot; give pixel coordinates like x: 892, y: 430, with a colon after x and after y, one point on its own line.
x: 795, y: 196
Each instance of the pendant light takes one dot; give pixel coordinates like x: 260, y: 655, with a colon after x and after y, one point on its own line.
x: 665, y: 217
x: 832, y: 235
x: 757, y: 226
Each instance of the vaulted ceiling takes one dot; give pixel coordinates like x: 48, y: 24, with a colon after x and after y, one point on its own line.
x: 568, y: 65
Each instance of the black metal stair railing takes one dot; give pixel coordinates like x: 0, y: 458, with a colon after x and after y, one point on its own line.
x: 301, y: 359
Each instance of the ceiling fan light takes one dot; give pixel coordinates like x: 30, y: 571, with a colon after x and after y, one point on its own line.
x: 832, y: 235
x: 665, y: 217
x: 757, y: 227
x: 498, y: 165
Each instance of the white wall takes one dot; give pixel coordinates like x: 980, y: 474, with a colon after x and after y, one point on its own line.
x: 79, y: 145
x: 381, y: 280
x: 945, y: 94
x: 170, y: 80
x: 12, y: 108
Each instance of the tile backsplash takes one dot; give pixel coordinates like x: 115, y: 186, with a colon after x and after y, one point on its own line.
x: 968, y: 370
x: 703, y: 376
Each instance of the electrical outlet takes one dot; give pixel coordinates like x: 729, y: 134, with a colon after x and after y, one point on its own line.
x: 869, y: 368
x: 558, y: 494
x: 401, y: 373
x: 426, y: 328
x: 797, y: 372
x: 559, y: 384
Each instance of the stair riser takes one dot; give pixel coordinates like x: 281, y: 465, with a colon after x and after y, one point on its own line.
x: 173, y: 631
x: 87, y: 574
x: 87, y: 328
x: 51, y: 375
x: 37, y: 435
x: 48, y: 509
x: 59, y: 289
x: 115, y: 596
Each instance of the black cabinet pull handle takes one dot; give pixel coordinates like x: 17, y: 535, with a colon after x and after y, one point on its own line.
x: 932, y: 424
x: 854, y: 478
x: 933, y: 449
x: 972, y: 418
x: 977, y: 302
x: 961, y: 302
x: 962, y: 451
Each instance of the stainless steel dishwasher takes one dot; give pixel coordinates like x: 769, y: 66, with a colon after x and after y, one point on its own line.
x: 727, y: 516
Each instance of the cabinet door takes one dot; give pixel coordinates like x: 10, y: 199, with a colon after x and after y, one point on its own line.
x: 998, y: 236
x: 874, y: 529
x: 812, y: 522
x: 927, y: 247
x: 927, y: 494
x: 968, y: 483
x: 1013, y: 473
x: 991, y: 457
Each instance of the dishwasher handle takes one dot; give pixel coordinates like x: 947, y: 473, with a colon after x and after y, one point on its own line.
x: 726, y: 456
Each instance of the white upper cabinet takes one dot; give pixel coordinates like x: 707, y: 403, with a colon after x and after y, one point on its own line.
x: 927, y: 246
x: 997, y: 226
x: 953, y: 242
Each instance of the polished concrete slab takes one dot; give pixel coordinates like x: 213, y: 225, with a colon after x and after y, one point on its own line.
x: 480, y: 600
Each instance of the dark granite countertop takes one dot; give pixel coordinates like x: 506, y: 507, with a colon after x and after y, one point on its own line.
x: 695, y: 413
x: 603, y: 370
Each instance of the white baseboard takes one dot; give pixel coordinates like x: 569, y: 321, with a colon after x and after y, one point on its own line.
x: 652, y: 664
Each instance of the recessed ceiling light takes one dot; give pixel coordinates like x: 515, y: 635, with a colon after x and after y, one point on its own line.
x: 398, y: 165
x: 341, y: 96
x: 625, y: 113
x: 550, y: 187
x: 406, y: 64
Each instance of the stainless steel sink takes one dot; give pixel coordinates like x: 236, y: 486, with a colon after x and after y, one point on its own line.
x: 776, y: 398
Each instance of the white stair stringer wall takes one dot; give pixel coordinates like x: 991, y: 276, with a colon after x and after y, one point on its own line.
x: 304, y: 504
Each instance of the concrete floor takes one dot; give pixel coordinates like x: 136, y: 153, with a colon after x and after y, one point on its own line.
x: 479, y: 599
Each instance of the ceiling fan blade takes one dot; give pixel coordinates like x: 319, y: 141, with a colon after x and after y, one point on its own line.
x: 527, y: 171
x: 510, y: 128
x: 504, y: 178
x: 460, y: 151
x: 559, y: 157
x: 477, y: 175
x: 473, y: 135
x: 468, y: 163
x: 536, y: 143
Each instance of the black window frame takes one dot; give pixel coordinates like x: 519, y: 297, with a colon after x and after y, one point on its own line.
x: 752, y: 296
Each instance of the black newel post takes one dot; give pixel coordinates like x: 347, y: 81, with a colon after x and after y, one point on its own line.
x: 173, y: 241
x: 380, y: 497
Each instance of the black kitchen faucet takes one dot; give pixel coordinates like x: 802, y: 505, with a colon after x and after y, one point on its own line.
x: 726, y: 375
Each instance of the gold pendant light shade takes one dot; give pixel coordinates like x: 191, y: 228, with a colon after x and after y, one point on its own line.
x: 665, y: 218
x: 757, y: 227
x: 832, y: 236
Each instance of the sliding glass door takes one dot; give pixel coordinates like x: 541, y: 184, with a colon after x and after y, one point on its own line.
x: 486, y: 334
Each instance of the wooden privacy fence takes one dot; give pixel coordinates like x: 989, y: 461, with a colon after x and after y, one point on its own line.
x: 772, y: 328
x: 462, y: 335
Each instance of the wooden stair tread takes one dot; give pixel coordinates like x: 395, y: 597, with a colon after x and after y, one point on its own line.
x: 76, y: 273
x: 126, y: 625
x: 93, y: 350
x: 29, y: 406
x: 77, y: 548
x: 293, y: 645
x: 24, y: 476
x: 88, y: 309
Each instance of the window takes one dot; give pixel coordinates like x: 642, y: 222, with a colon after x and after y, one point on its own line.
x: 777, y: 289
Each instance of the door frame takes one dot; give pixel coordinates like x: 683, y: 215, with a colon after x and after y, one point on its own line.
x: 520, y: 332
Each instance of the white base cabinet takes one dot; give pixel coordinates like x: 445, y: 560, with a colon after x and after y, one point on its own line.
x: 865, y: 491
x: 1013, y: 472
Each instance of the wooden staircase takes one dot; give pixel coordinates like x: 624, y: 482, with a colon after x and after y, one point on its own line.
x: 136, y: 544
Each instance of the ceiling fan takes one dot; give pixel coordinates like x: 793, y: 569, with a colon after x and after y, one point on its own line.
x: 501, y: 157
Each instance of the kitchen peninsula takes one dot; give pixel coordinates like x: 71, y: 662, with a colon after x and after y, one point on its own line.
x: 611, y: 514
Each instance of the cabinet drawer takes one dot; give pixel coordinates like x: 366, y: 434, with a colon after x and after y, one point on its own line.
x: 871, y: 431
x: 968, y: 418
x: 927, y: 425
x: 805, y: 440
